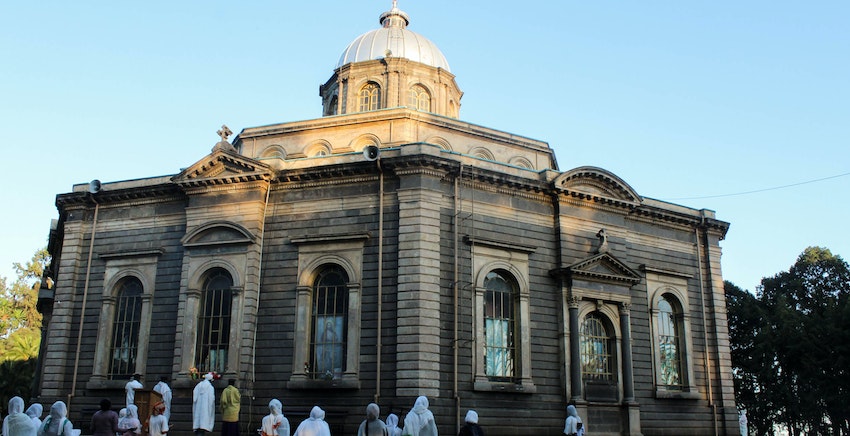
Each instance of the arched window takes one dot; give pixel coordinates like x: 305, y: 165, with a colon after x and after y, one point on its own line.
x: 499, y: 325
x: 330, y: 321
x: 419, y: 98
x: 669, y: 343
x: 214, y: 322
x: 370, y: 97
x: 125, y: 329
x: 596, y: 350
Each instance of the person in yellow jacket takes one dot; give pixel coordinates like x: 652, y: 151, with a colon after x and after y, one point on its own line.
x: 229, y: 403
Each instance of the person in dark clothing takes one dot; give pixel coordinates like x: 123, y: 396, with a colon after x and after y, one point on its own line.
x: 471, y: 427
x: 104, y: 422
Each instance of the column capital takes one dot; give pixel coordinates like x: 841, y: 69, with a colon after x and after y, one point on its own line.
x: 625, y: 308
x: 572, y: 302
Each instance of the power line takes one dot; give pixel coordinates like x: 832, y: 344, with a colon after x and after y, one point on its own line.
x: 762, y: 190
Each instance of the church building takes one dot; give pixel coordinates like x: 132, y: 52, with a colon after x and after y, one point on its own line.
x: 384, y: 251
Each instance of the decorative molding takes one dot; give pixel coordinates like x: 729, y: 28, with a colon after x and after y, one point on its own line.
x: 140, y: 253
x: 501, y: 244
x: 339, y: 237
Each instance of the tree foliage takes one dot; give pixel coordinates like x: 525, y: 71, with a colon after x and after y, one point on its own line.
x: 790, y: 346
x: 18, y: 300
x: 20, y: 328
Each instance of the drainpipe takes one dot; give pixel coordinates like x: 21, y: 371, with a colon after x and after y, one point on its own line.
x: 83, y: 306
x: 699, y: 246
x: 455, y: 295
x: 380, y: 275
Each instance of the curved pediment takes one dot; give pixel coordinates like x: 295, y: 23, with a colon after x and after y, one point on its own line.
x: 218, y: 233
x: 596, y: 183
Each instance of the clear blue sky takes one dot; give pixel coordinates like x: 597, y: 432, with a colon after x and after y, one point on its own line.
x: 686, y: 101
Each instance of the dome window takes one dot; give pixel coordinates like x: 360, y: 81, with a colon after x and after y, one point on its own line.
x: 370, y: 97
x: 419, y: 99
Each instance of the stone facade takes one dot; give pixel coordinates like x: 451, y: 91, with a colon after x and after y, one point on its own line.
x: 384, y: 254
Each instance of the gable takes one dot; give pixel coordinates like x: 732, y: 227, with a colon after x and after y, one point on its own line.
x: 223, y: 167
x: 604, y: 267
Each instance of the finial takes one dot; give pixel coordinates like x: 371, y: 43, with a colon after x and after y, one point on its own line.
x: 224, y: 132
x: 395, y: 4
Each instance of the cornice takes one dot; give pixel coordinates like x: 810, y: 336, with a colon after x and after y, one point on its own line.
x: 120, y: 197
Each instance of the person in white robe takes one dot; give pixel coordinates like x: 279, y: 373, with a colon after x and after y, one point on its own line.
x: 18, y: 423
x: 275, y: 423
x: 315, y: 425
x: 203, y: 406
x: 57, y: 423
x: 573, y: 426
x: 34, y: 411
x: 131, y: 387
x: 372, y: 425
x: 392, y: 425
x: 420, y: 421
x: 165, y: 391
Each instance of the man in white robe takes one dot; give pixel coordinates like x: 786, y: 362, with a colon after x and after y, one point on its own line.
x: 203, y: 406
x: 163, y: 389
x: 131, y: 387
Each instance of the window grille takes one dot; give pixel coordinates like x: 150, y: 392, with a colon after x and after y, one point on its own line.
x: 499, y: 326
x: 330, y: 324
x: 125, y: 329
x: 596, y: 344
x: 668, y: 342
x: 214, y: 322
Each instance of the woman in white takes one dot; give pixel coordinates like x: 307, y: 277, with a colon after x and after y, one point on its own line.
x: 18, y: 423
x: 275, y: 424
x: 315, y: 425
x: 392, y: 425
x: 420, y: 421
x: 57, y: 424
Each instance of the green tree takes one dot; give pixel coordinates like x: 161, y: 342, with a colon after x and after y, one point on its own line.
x: 20, y: 327
x: 18, y: 300
x: 789, y: 344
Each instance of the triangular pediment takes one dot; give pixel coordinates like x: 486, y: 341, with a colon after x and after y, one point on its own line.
x: 604, y: 267
x: 223, y: 167
x: 597, y: 184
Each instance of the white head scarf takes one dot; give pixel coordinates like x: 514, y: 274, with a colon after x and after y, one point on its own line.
x: 208, y: 376
x: 18, y: 422
x: 472, y: 417
x: 275, y: 417
x: 392, y: 425
x: 419, y: 416
x: 55, y: 421
x: 132, y: 419
x: 315, y: 425
x: 35, y: 410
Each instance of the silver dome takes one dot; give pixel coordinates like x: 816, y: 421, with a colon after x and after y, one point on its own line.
x: 393, y: 40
